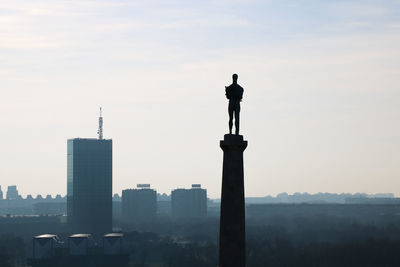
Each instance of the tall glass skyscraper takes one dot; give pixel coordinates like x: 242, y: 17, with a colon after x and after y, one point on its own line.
x: 89, y: 185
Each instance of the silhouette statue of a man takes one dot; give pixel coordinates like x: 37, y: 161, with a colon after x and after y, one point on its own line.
x: 234, y: 93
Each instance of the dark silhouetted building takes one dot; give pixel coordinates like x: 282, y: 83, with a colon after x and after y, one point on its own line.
x: 113, y: 244
x: 80, y: 244
x: 139, y: 205
x: 89, y: 185
x: 44, y: 246
x: 189, y: 203
x: 80, y: 250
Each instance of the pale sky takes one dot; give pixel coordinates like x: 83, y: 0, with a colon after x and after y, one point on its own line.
x: 321, y: 106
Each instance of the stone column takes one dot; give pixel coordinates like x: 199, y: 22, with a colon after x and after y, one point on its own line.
x: 232, y: 221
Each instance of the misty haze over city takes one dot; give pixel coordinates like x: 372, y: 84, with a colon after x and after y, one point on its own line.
x: 210, y: 133
x: 320, y: 106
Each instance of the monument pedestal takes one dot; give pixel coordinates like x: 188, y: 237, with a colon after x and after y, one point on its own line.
x: 232, y: 221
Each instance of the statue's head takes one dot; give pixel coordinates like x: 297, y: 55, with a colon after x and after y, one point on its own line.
x: 234, y: 78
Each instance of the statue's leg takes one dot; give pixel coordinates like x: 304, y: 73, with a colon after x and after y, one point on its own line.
x: 230, y: 111
x: 237, y: 112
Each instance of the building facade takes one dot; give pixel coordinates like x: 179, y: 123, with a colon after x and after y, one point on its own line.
x: 189, y: 203
x: 12, y: 192
x: 89, y: 185
x: 139, y: 205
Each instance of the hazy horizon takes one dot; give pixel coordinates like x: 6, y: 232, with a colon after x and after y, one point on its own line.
x: 320, y: 108
x: 374, y: 195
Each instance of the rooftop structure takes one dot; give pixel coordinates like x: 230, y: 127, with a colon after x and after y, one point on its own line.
x: 112, y: 244
x: 80, y: 244
x: 43, y: 246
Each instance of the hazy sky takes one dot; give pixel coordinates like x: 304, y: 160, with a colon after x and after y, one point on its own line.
x: 321, y: 107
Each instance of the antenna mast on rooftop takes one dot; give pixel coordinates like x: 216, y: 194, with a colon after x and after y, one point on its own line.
x: 100, y: 131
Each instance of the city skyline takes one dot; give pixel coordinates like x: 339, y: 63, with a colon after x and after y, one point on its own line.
x: 320, y: 108
x: 167, y: 195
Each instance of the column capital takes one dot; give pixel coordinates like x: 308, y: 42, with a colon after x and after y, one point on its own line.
x: 233, y: 142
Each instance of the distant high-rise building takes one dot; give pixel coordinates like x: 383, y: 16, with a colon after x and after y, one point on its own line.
x: 139, y: 205
x: 89, y: 184
x: 89, y: 187
x: 1, y: 193
x: 189, y: 203
x: 180, y: 207
x: 12, y: 192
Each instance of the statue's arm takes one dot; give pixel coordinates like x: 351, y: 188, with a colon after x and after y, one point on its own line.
x: 227, y: 92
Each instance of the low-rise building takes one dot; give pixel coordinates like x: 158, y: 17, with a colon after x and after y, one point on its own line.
x: 139, y: 205
x: 189, y: 203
